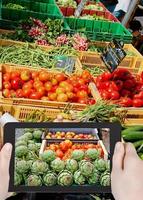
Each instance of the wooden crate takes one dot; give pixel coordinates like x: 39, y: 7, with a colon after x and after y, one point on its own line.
x: 31, y: 102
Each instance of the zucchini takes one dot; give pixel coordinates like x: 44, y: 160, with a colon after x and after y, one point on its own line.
x: 132, y: 128
x: 133, y: 136
x: 138, y: 143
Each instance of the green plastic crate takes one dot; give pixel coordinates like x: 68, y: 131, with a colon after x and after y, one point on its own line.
x: 99, y: 30
x: 33, y: 1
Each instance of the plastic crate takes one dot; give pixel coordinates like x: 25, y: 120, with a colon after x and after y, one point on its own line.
x: 99, y: 30
x: 32, y: 1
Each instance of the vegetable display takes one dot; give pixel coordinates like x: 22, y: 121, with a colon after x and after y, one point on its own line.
x: 15, y: 6
x: 49, y: 169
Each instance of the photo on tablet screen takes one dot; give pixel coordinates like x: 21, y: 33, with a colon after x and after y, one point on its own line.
x: 61, y: 157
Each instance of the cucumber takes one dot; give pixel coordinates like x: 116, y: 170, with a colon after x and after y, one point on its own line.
x: 138, y: 143
x: 133, y: 128
x: 133, y: 136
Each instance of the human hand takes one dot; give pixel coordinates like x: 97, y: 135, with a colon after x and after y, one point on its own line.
x: 5, y: 156
x: 127, y: 173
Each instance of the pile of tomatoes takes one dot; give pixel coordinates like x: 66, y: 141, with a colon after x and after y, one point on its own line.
x: 122, y: 86
x: 64, y: 149
x: 68, y: 135
x: 47, y: 86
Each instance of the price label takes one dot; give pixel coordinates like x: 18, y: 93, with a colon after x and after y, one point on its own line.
x: 80, y: 8
x: 113, y: 55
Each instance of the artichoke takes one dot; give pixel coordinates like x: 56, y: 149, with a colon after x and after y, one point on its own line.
x: 30, y: 163
x: 31, y: 142
x: 48, y: 156
x: 78, y: 155
x: 101, y: 165
x: 65, y: 178
x: 50, y: 179
x: 86, y: 168
x: 32, y: 147
x: 31, y: 156
x: 28, y: 135
x: 21, y: 151
x: 37, y: 134
x: 79, y: 178
x: 105, y: 179
x: 39, y: 167
x: 94, y: 178
x: 57, y: 165
x: 33, y: 180
x: 21, y: 143
x: 17, y: 179
x: 22, y: 166
x: 72, y: 165
x: 93, y: 154
x: 28, y: 130
x: 38, y: 145
x: 23, y: 138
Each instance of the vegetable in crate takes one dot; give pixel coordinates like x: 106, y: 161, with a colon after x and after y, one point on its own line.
x: 57, y: 165
x: 79, y: 179
x: 22, y: 167
x: 14, y: 6
x: 105, y: 179
x: 37, y: 134
x: 65, y: 178
x: 100, y: 164
x: 21, y: 151
x: 50, y: 178
x: 86, y: 168
x: 71, y: 165
x: 33, y: 180
x: 17, y: 179
x: 28, y: 135
x: 93, y: 154
x: 67, y: 3
x: 94, y: 178
x: 48, y: 156
x: 77, y: 154
x: 21, y: 143
x: 39, y: 167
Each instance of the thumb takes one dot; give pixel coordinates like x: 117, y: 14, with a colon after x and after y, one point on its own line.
x: 5, y: 156
x: 130, y: 150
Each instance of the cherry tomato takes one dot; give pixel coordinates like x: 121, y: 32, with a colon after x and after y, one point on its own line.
x: 84, y: 87
x: 45, y: 98
x: 69, y: 88
x: 91, y: 101
x: 34, y: 95
x: 63, y: 146
x: 52, y: 96
x: 129, y: 84
x: 6, y: 93
x: 83, y: 101
x: 126, y: 102
x: 119, y: 84
x: 44, y: 76
x: 34, y: 74
x: 113, y: 86
x: 27, y: 85
x: 137, y: 103
x: 68, y: 143
x: 53, y: 89
x: 141, y: 94
x: 16, y: 83
x: 125, y: 93
x: 6, y: 76
x: 19, y: 93
x: 60, y: 77
x: 82, y: 94
x: 14, y: 75
x: 41, y: 91
x: 114, y: 95
x: 48, y: 86
x: 105, y: 95
x: 70, y: 95
x: 62, y: 97
x: 81, y: 81
x: 25, y: 75
x: 7, y: 85
x: 60, y: 90
x: 26, y: 92
x: 86, y: 75
x: 37, y: 84
x: 54, y: 81
x: 106, y: 76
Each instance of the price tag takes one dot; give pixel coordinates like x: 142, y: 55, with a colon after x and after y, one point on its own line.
x: 80, y: 8
x: 113, y: 55
x: 66, y: 63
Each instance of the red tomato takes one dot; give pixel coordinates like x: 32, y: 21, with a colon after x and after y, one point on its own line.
x: 137, y: 103
x: 113, y: 86
x: 44, y: 76
x: 125, y: 93
x: 48, y: 86
x: 81, y: 81
x: 27, y: 85
x: 54, y: 81
x: 86, y: 75
x: 114, y: 95
x: 60, y: 77
x: 68, y: 143
x: 129, y: 84
x: 126, y: 102
x: 34, y: 95
x: 6, y: 93
x: 27, y: 92
x: 105, y: 95
x: 6, y: 76
x: 7, y: 85
x: 91, y: 101
x: 25, y: 75
x: 75, y: 84
x: 83, y: 101
x: 82, y: 94
x: 37, y: 84
x: 16, y: 83
x: 106, y: 76
x: 119, y: 84
x: 53, y: 89
x: 34, y: 74
x: 62, y: 97
x: 59, y: 153
x: 84, y: 87
x: 41, y: 91
x: 75, y: 90
x: 141, y: 95
x: 13, y: 93
x: 14, y: 74
x: 63, y: 146
x: 52, y: 96
x: 68, y: 88
x: 70, y: 95
x: 45, y: 98
x: 19, y: 93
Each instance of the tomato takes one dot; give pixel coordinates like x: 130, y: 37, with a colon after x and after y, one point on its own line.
x: 113, y: 86
x: 59, y: 153
x: 70, y: 95
x: 126, y: 102
x: 125, y: 93
x: 6, y: 93
x: 84, y: 87
x: 75, y: 90
x: 44, y: 76
x: 25, y: 75
x: 137, y: 96
x: 37, y: 84
x: 83, y: 101
x: 19, y: 93
x: 60, y: 90
x: 81, y: 81
x: 6, y: 76
x: 68, y: 143
x: 68, y: 88
x: 34, y: 95
x: 105, y: 95
x: 114, y: 95
x: 75, y: 84
x: 45, y: 98
x: 82, y: 94
x: 41, y: 91
x: 86, y: 75
x: 63, y: 84
x: 53, y: 89
x: 54, y: 81
x: 119, y: 84
x: 60, y: 77
x: 73, y: 147
x: 13, y: 93
x: 63, y: 146
x: 137, y: 103
x: 140, y: 95
x: 27, y: 85
x: 34, y: 74
x: 91, y: 101
x: 48, y: 86
x: 7, y: 85
x: 26, y: 92
x: 53, y: 147
x: 14, y: 74
x: 106, y: 76
x: 62, y: 97
x: 52, y: 96
x: 129, y: 84
x: 16, y: 83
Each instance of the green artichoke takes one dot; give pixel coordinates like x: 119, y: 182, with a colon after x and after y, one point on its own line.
x: 21, y: 143
x: 94, y: 178
x: 33, y: 180
x: 38, y: 145
x: 79, y: 178
x: 105, y: 179
x: 17, y: 179
x: 22, y: 167
x: 28, y: 130
x: 101, y: 165
x: 37, y: 134
x: 48, y: 156
x: 93, y: 154
x: 86, y: 168
x: 31, y: 142
x: 50, y: 179
x: 57, y: 165
x: 32, y: 147
x: 65, y: 178
x: 28, y: 135
x: 78, y: 155
x: 21, y: 151
x: 39, y: 167
x: 71, y: 165
x: 23, y: 138
x: 31, y: 156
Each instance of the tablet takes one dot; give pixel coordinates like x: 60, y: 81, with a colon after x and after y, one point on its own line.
x: 61, y: 157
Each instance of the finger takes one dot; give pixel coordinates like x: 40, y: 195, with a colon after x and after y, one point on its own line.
x: 118, y: 157
x: 130, y: 150
x: 5, y: 156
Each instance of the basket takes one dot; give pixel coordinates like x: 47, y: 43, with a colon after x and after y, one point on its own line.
x: 37, y: 103
x: 99, y: 30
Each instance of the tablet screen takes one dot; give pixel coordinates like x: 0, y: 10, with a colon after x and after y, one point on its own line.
x: 61, y: 157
